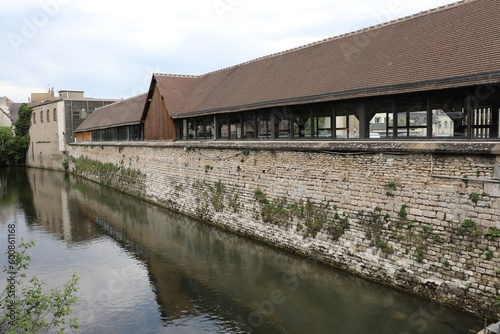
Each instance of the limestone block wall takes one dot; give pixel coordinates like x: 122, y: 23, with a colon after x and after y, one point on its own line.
x: 418, y: 219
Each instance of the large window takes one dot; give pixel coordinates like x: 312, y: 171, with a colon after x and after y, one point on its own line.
x: 449, y: 115
x: 55, y: 115
x: 222, y: 126
x: 411, y: 117
x: 209, y: 130
x: 380, y: 112
x: 281, y: 123
x: 321, y: 125
x: 264, y: 124
x: 249, y: 125
x: 235, y: 126
x: 48, y: 115
x: 301, y: 118
x: 347, y: 116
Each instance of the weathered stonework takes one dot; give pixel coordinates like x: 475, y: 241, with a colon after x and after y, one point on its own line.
x: 405, y: 214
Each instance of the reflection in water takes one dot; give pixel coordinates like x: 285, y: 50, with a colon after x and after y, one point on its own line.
x: 145, y: 269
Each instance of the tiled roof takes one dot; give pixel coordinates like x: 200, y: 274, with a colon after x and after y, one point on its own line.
x: 121, y: 113
x: 14, y: 111
x: 451, y: 46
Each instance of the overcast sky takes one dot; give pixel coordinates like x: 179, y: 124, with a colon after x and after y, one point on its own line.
x: 109, y: 49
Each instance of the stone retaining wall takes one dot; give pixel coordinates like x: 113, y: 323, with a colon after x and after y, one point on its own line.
x: 406, y: 214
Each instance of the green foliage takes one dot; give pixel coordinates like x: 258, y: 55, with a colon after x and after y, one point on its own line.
x: 419, y: 254
x: 260, y: 196
x: 23, y: 123
x: 311, y: 217
x: 474, y: 197
x: 489, y: 255
x: 374, y: 222
x: 338, y: 226
x: 428, y: 232
x: 383, y: 245
x: 217, y: 198
x: 492, y: 233
x: 465, y: 180
x: 276, y: 212
x: 402, y: 212
x: 7, y: 145
x: 27, y: 308
x: 235, y: 203
x: 65, y: 164
x: 108, y: 173
x: 14, y: 141
x: 468, y: 227
x: 390, y: 187
x: 208, y: 168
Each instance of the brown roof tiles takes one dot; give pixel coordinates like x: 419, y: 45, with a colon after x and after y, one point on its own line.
x: 121, y: 113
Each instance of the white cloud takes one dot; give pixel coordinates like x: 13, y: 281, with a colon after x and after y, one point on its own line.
x: 104, y: 47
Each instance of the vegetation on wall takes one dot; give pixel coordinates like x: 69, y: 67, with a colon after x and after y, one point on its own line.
x: 108, y: 174
x: 310, y: 216
x: 15, y: 140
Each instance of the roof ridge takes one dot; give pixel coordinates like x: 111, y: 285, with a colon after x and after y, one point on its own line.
x: 176, y: 75
x: 336, y: 37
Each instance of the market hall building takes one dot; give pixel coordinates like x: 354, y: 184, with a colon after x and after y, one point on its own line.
x: 433, y: 75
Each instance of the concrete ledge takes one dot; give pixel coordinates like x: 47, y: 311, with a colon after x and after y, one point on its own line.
x: 379, y: 146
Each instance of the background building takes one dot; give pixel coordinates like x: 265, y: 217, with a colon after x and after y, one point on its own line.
x: 53, y: 124
x: 120, y: 121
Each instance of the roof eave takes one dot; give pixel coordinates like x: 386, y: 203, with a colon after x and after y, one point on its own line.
x: 447, y: 83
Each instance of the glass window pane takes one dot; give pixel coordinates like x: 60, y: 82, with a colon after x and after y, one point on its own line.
x: 301, y: 117
x: 222, y: 127
x: 235, y: 121
x: 412, y: 116
x: 380, y: 113
x: 264, y: 124
x: 322, y: 120
x: 347, y: 119
x: 200, y: 128
x: 281, y: 123
x: 449, y: 115
x: 191, y: 131
x: 249, y: 125
x: 209, y: 127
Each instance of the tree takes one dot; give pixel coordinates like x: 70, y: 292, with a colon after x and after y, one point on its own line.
x: 7, y: 144
x: 23, y: 123
x: 14, y: 143
x: 26, y: 307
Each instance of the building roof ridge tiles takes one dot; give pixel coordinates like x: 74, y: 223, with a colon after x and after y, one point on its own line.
x: 177, y: 75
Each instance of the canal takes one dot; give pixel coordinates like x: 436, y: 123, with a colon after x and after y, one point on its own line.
x: 144, y: 269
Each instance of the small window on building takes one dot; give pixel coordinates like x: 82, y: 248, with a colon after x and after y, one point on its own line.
x: 41, y: 116
x: 83, y: 114
x: 55, y: 114
x: 48, y: 115
x: 34, y: 117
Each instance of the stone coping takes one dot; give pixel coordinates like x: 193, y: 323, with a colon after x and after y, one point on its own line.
x: 357, y: 146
